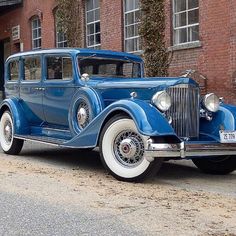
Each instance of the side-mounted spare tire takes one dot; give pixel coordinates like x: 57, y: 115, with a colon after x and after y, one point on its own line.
x: 122, y: 151
x: 85, y: 106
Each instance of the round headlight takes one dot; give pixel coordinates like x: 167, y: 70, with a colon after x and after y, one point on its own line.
x: 211, y: 102
x: 162, y: 100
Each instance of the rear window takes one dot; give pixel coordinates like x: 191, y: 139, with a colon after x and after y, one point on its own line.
x: 13, y: 68
x: 109, y: 68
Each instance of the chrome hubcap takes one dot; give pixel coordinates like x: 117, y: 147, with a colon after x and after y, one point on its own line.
x: 83, y: 115
x: 8, y: 132
x: 128, y: 148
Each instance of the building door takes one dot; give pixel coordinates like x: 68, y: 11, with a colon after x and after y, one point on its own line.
x: 5, y: 51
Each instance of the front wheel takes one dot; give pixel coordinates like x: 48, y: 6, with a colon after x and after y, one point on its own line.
x: 219, y: 165
x: 9, y: 144
x: 122, y: 150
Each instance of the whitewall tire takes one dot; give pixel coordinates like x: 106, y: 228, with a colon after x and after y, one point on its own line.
x: 122, y: 150
x: 9, y: 144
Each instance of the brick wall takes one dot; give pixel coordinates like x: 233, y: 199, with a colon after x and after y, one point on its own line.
x: 21, y: 16
x: 232, y: 49
x: 112, y: 24
x: 215, y: 58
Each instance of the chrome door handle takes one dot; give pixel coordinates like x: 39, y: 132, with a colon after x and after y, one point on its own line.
x: 39, y: 89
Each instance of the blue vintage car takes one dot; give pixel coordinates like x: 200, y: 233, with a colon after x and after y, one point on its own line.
x: 81, y: 98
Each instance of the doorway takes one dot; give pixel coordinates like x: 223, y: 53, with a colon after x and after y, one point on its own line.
x: 5, y: 51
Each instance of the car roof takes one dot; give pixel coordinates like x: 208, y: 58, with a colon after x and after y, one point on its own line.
x: 85, y: 51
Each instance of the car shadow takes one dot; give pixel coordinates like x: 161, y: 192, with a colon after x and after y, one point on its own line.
x: 64, y: 157
x: 90, y: 160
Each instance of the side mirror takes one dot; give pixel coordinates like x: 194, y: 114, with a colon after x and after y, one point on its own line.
x: 85, y: 77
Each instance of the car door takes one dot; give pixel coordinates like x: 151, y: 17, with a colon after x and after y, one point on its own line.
x: 59, y: 89
x: 12, y: 76
x: 31, y: 90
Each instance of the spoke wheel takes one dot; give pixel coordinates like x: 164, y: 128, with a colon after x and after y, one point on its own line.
x: 9, y: 144
x: 122, y: 150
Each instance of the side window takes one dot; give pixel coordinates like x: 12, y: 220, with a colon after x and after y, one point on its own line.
x: 14, y: 70
x: 59, y: 68
x: 32, y: 68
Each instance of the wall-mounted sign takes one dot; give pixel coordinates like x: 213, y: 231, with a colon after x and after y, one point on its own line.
x: 16, y: 32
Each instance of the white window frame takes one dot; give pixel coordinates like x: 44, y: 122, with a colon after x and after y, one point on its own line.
x: 64, y: 40
x: 94, y: 46
x: 134, y: 24
x: 64, y: 37
x: 185, y: 26
x: 38, y: 29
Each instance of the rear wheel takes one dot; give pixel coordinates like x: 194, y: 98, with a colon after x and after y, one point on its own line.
x: 219, y: 165
x: 9, y: 144
x: 122, y: 150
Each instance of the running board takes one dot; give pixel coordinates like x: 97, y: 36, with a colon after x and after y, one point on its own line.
x: 42, y: 139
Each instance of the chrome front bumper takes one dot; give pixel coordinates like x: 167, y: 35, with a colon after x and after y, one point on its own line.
x: 183, y: 150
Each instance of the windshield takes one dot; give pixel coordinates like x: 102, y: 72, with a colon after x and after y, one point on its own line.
x: 97, y: 67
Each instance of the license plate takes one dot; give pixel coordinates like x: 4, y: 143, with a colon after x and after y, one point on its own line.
x: 227, y: 136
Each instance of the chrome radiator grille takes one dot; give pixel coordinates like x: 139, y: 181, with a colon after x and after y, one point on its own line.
x: 184, y: 110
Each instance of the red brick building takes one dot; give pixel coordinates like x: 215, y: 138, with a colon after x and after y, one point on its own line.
x: 200, y: 34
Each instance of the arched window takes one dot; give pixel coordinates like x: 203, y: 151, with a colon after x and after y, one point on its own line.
x: 61, y: 37
x: 36, y: 33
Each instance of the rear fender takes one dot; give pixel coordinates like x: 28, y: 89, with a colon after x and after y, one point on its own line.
x: 21, y: 125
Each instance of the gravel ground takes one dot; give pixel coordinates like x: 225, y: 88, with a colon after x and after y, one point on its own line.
x: 54, y: 191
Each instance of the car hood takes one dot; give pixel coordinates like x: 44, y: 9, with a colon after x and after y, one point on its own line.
x: 112, y: 89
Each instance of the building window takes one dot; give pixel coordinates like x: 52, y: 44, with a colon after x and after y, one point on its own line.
x: 36, y: 33
x: 131, y: 23
x: 61, y: 38
x: 185, y: 21
x: 93, y: 24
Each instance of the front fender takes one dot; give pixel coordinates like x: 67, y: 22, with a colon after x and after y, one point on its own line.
x: 149, y: 121
x: 20, y: 122
x: 225, y: 119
